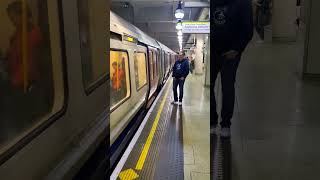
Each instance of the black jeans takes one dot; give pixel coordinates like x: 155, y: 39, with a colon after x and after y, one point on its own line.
x: 228, y: 70
x: 259, y: 24
x: 178, y: 82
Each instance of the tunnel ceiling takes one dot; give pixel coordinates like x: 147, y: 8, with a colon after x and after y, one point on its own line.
x: 156, y: 18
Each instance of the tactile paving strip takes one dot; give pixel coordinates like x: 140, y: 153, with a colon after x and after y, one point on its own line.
x: 221, y: 165
x: 170, y: 163
x: 165, y: 156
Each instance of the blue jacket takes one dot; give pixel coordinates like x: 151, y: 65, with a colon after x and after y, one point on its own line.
x: 180, y: 69
x: 232, y: 25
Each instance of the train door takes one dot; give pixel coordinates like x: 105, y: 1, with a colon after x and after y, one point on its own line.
x: 156, y: 60
x: 141, y: 70
x: 152, y: 72
x: 167, y: 63
x: 163, y: 65
x: 158, y: 66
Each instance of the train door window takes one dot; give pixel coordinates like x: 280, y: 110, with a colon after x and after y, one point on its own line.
x: 140, y: 68
x: 93, y: 47
x: 158, y: 62
x: 31, y: 70
x: 151, y: 65
x: 164, y: 61
x: 120, y: 78
x: 155, y: 70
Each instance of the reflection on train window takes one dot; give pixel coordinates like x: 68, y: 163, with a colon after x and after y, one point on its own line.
x: 140, y: 69
x: 151, y: 65
x: 119, y: 75
x: 31, y: 83
x: 93, y: 54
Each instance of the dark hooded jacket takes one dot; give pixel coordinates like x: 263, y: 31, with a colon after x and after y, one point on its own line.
x: 232, y: 25
x: 180, y: 69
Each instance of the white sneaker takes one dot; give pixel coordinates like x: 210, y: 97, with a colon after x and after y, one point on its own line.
x: 174, y: 103
x: 180, y: 103
x: 225, y: 132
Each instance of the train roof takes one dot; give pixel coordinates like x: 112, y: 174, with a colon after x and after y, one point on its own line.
x: 121, y: 26
x: 165, y: 48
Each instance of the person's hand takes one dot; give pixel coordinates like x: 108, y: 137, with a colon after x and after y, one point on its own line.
x: 232, y: 54
x: 182, y: 78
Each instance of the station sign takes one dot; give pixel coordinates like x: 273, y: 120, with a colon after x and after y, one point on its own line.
x: 196, y: 27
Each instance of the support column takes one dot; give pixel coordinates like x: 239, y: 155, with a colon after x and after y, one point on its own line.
x: 207, y: 62
x: 199, y: 54
x: 283, y: 20
x: 311, y: 63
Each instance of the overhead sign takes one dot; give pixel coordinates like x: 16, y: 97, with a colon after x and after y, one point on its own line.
x: 196, y: 27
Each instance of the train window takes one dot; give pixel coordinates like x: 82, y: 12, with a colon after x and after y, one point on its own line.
x: 164, y: 62
x: 31, y: 74
x: 140, y: 68
x: 151, y: 65
x: 155, y: 70
x: 120, y: 79
x: 93, y: 52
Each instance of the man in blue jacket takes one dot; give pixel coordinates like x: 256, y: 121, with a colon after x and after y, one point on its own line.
x: 232, y: 31
x: 180, y: 72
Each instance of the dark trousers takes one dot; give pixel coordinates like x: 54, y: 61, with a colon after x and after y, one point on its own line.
x: 178, y: 82
x: 228, y: 69
x: 259, y: 24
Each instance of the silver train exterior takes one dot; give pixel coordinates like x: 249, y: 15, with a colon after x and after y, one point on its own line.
x: 59, y: 141
x: 139, y: 54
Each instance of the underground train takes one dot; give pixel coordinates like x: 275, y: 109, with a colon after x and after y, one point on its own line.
x: 54, y: 104
x: 54, y: 115
x: 139, y: 67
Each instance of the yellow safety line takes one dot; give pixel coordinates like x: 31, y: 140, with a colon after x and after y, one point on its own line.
x: 147, y: 145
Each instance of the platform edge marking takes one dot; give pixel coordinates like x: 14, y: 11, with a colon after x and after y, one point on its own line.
x: 147, y: 145
x: 134, y: 140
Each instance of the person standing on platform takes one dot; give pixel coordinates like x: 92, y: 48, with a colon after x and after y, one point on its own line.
x: 232, y: 31
x: 179, y: 73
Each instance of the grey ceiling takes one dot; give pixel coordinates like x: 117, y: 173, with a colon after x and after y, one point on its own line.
x: 155, y: 17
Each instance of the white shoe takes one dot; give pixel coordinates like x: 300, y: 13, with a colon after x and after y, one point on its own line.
x: 225, y: 132
x: 174, y: 103
x: 180, y: 103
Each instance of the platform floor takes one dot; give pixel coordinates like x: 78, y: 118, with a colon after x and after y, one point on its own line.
x: 276, y: 126
x: 173, y: 141
x: 196, y: 129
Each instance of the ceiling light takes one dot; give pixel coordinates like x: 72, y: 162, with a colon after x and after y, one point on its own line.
x: 179, y: 14
x: 179, y: 25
